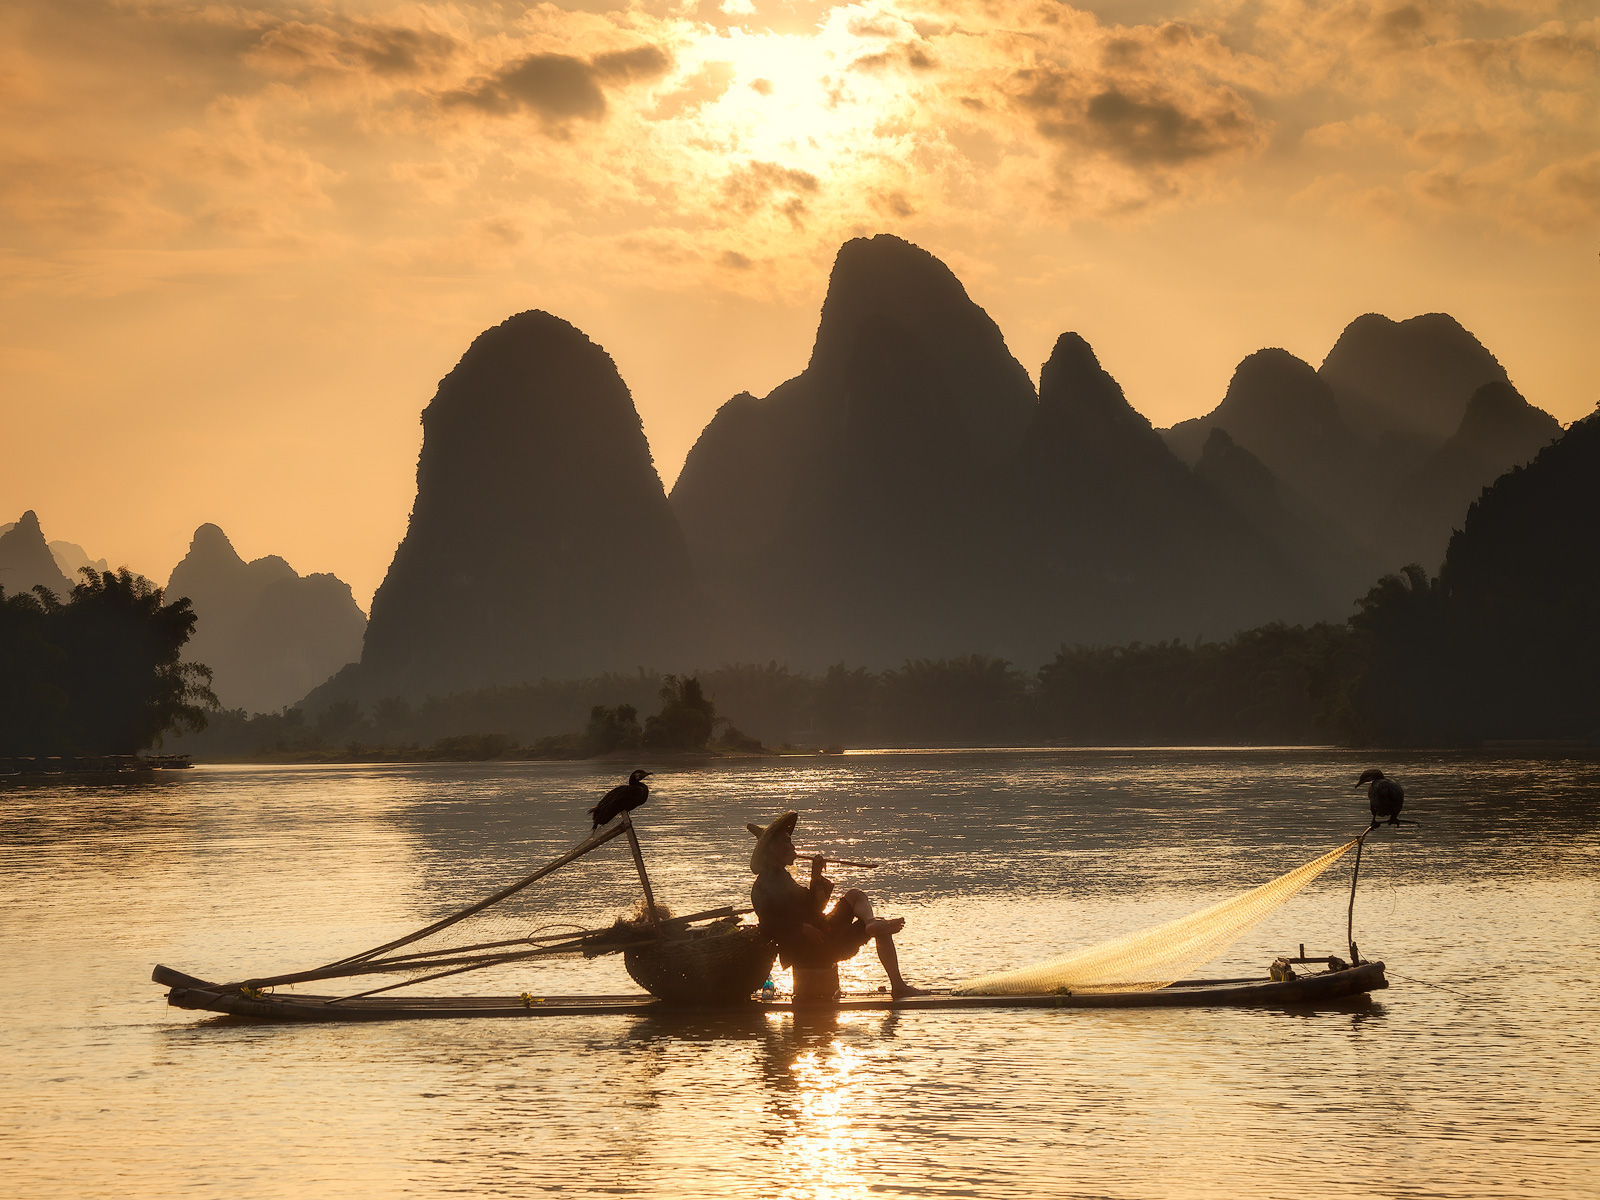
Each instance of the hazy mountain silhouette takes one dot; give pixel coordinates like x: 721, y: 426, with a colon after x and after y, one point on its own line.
x: 26, y: 561
x: 1280, y: 410
x: 1118, y: 539
x: 267, y: 634
x: 1499, y: 431
x: 70, y: 557
x: 1406, y: 383
x: 1284, y: 414
x: 1504, y: 643
x: 541, y: 542
x: 1289, y: 522
x: 1356, y: 448
x: 839, y: 517
x: 1522, y: 582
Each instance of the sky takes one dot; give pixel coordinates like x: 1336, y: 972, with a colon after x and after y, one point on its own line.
x: 240, y: 244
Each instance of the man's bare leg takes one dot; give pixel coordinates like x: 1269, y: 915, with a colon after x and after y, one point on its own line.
x: 882, y: 931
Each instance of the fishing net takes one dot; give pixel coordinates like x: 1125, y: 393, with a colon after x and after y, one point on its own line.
x: 1154, y: 958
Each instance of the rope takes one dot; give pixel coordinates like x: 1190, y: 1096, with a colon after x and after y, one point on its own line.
x: 1436, y: 986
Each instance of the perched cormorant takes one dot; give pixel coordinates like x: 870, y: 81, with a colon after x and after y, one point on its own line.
x: 621, y: 799
x: 1385, y: 795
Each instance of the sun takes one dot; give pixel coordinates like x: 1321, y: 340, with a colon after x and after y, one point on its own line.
x: 806, y: 100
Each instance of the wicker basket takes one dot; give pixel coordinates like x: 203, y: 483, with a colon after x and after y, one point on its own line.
x: 722, y: 964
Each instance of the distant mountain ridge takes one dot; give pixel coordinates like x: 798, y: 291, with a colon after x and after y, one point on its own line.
x: 268, y: 634
x: 26, y: 561
x: 1406, y: 379
x: 540, y: 543
x: 1499, y: 431
x: 1109, y: 537
x: 1386, y: 443
x: 70, y: 557
x: 837, y: 516
x: 1503, y: 644
x: 909, y: 494
x: 915, y: 498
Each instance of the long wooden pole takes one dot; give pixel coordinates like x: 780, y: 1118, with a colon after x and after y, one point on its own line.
x: 599, y: 838
x: 1350, y: 925
x: 481, y: 954
x: 644, y: 878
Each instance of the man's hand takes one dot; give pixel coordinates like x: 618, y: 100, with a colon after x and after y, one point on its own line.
x: 821, y: 885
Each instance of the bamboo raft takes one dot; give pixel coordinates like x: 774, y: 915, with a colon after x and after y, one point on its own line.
x: 710, y: 961
x: 1323, y: 988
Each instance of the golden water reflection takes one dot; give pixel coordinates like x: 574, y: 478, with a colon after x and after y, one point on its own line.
x: 1473, y: 1076
x: 819, y: 1086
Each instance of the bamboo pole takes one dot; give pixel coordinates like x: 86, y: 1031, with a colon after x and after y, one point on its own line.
x: 592, y: 842
x: 565, y: 943
x: 644, y: 878
x: 1350, y: 924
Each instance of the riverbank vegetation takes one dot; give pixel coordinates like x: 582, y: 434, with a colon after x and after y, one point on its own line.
x: 99, y: 672
x: 687, y: 723
x: 1264, y: 686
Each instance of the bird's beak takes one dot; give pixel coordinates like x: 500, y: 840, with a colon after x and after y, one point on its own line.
x: 646, y: 774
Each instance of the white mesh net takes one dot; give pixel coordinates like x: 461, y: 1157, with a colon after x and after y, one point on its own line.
x: 1154, y: 958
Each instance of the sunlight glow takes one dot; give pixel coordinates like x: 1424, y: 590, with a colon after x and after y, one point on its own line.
x: 823, y: 1157
x: 806, y: 123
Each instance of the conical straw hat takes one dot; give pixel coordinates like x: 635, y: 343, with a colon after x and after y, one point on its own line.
x: 759, y: 857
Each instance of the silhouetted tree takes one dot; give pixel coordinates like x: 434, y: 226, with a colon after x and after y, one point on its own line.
x: 686, y: 718
x: 123, y: 673
x: 612, y: 729
x: 1262, y: 685
x: 33, y: 703
x: 98, y: 673
x: 342, y: 722
x: 1399, y: 679
x: 848, y: 705
x: 968, y: 699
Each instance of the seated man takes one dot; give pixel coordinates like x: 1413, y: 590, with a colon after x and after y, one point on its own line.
x: 808, y: 935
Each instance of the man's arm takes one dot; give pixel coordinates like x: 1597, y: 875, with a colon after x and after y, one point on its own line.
x: 821, y: 886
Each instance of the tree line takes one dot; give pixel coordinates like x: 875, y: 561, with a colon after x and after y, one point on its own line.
x: 99, y: 672
x: 1263, y: 686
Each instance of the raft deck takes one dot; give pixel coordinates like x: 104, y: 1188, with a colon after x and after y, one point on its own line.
x: 1307, y: 990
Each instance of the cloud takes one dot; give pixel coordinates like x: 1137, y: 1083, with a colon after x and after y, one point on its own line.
x: 343, y: 46
x: 1155, y: 127
x: 389, y: 127
x: 559, y: 87
x: 766, y: 185
x: 629, y: 66
x: 693, y: 92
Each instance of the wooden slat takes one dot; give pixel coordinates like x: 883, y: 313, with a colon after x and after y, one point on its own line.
x: 1307, y: 990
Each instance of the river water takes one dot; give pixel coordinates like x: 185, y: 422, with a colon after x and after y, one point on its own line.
x: 1476, y: 1074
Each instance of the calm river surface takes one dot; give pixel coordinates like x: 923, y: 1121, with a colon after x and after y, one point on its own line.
x: 1476, y: 1074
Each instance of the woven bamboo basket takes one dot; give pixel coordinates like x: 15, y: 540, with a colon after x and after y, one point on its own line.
x: 722, y: 964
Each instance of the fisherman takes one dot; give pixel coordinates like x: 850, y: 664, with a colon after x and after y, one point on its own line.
x: 812, y: 938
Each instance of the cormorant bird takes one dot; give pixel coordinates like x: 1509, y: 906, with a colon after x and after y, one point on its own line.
x: 1385, y: 795
x: 621, y: 799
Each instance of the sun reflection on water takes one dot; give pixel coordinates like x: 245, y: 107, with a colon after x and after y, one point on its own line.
x: 822, y: 1149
